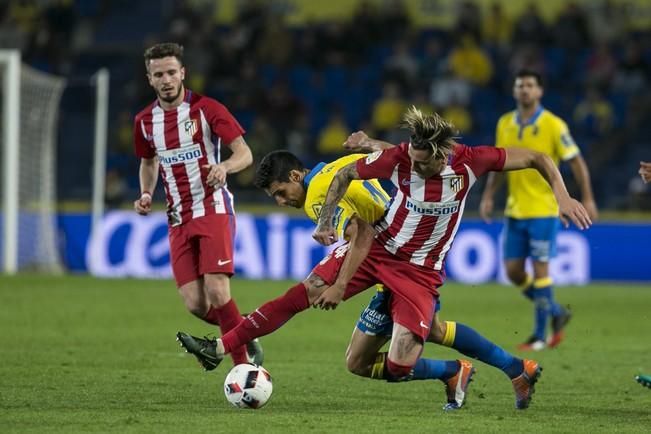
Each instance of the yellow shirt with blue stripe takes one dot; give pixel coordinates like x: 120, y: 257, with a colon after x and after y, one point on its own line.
x: 530, y: 196
x: 367, y: 198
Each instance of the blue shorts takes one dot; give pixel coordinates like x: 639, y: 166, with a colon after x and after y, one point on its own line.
x: 535, y: 238
x: 375, y: 319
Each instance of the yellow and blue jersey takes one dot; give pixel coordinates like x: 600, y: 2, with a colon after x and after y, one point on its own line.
x: 366, y: 199
x: 530, y: 196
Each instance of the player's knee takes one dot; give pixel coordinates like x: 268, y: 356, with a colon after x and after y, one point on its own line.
x: 195, y: 307
x: 437, y: 334
x: 217, y: 288
x: 356, y: 364
x: 396, y: 372
x: 516, y: 275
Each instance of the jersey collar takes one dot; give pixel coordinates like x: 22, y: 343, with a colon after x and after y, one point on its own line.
x: 533, y: 118
x: 313, y: 172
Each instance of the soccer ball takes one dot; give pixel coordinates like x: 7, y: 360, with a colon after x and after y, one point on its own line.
x: 248, y: 386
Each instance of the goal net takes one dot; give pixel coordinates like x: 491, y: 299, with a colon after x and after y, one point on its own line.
x: 29, y: 227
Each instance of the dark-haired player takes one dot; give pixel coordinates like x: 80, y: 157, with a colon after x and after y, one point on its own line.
x: 179, y: 135
x: 438, y: 173
x: 531, y: 209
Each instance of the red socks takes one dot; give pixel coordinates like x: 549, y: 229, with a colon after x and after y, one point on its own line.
x: 267, y: 318
x: 212, y: 317
x: 396, y: 372
x: 228, y: 317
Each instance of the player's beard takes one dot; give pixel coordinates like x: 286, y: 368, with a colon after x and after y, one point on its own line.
x: 173, y: 97
x: 528, y: 102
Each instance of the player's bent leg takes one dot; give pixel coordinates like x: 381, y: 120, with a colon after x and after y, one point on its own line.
x: 272, y: 315
x: 194, y: 298
x: 264, y: 320
x: 404, y: 363
x: 372, y: 331
x: 469, y: 342
x: 404, y: 351
x: 362, y: 354
x: 218, y: 291
x: 217, y: 287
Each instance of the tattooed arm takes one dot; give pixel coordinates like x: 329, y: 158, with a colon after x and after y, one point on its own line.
x: 325, y: 232
x: 361, y: 237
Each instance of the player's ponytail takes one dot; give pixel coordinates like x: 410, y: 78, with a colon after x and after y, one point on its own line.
x: 430, y: 131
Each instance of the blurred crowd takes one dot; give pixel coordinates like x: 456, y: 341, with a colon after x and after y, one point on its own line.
x: 306, y: 88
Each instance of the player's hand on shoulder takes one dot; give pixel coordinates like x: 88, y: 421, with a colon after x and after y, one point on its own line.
x: 356, y: 142
x: 216, y: 174
x: 330, y: 297
x: 143, y: 204
x: 572, y: 210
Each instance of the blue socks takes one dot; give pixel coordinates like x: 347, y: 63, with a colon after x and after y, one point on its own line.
x: 428, y: 369
x: 542, y: 295
x: 467, y: 341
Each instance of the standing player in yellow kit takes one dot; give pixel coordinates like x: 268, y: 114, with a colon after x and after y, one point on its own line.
x: 531, y: 209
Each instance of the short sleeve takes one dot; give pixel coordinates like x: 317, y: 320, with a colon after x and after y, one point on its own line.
x: 142, y: 146
x: 564, y: 144
x: 222, y: 123
x: 484, y: 159
x: 379, y: 164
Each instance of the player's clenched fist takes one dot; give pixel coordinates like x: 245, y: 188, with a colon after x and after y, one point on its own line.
x: 356, y: 142
x: 143, y: 205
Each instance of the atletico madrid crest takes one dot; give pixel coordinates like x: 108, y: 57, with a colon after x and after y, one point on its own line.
x: 190, y: 126
x: 456, y: 183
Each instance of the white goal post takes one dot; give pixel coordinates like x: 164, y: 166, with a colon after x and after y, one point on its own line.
x: 30, y: 108
x: 10, y: 64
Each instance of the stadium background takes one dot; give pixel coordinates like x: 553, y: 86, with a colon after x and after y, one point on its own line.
x: 85, y: 354
x: 302, y: 75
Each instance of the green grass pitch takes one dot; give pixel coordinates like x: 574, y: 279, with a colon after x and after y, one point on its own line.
x: 79, y: 354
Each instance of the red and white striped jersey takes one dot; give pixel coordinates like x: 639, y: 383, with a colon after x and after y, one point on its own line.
x: 185, y: 139
x: 424, y: 214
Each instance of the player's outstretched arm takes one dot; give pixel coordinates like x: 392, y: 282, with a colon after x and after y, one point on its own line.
x: 582, y: 176
x: 325, y: 232
x: 569, y: 209
x: 360, y: 234
x: 148, y: 175
x: 360, y: 142
x: 240, y: 160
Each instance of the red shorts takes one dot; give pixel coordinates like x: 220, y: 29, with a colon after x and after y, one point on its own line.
x: 413, y: 288
x: 201, y: 246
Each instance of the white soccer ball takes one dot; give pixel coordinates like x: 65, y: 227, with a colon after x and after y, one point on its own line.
x: 248, y: 386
